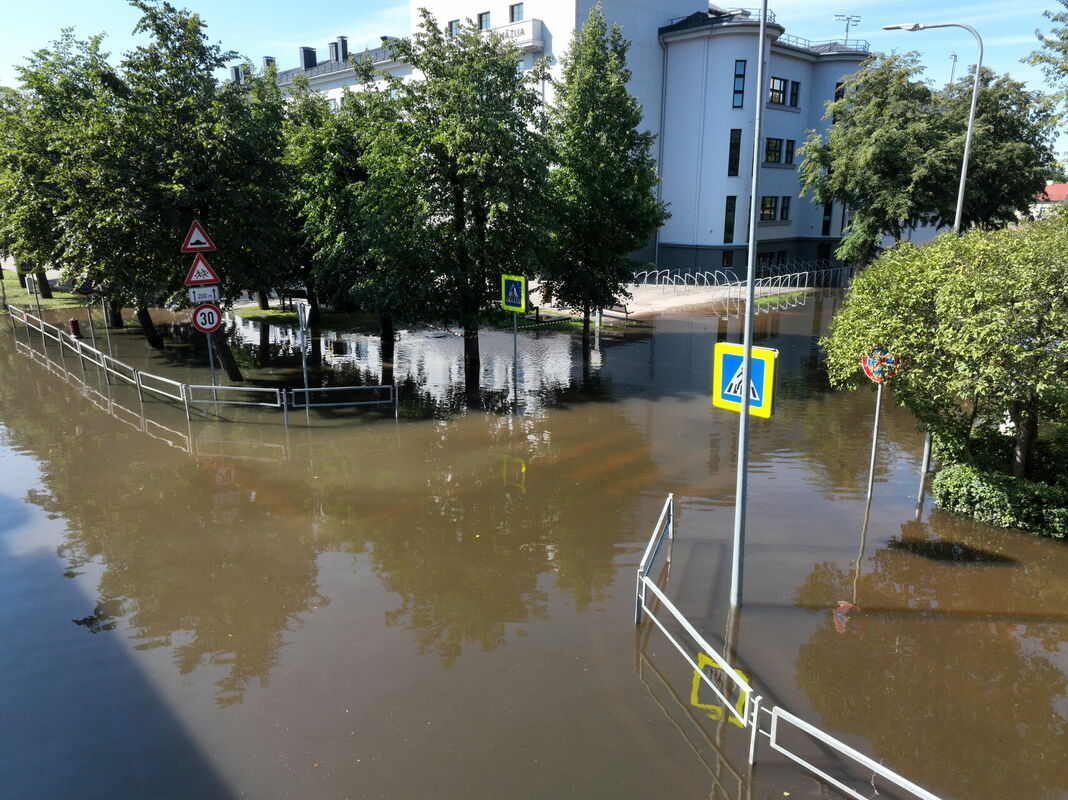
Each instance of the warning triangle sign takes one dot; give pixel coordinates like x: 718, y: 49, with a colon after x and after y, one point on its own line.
x: 735, y: 385
x: 201, y: 273
x: 197, y: 241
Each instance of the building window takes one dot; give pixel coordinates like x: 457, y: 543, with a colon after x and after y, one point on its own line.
x: 795, y: 93
x: 784, y: 208
x: 728, y: 218
x: 828, y: 210
x: 483, y: 21
x: 773, y: 150
x: 765, y: 259
x: 739, y: 83
x: 453, y: 28
x: 777, y: 91
x: 515, y: 12
x: 780, y: 256
x: 839, y: 90
x: 769, y: 208
x: 728, y: 259
x: 788, y: 154
x: 734, y: 153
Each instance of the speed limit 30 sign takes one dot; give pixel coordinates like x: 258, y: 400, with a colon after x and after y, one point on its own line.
x: 207, y: 318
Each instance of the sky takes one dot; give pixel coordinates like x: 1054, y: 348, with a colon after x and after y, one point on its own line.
x: 256, y: 28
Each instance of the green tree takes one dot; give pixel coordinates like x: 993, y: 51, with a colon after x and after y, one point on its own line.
x: 1012, y: 148
x: 1052, y: 55
x: 472, y: 154
x: 893, y: 152
x: 604, y: 180
x: 981, y: 325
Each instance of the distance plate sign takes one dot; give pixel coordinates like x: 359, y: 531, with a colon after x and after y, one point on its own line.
x: 203, y: 294
x: 207, y: 318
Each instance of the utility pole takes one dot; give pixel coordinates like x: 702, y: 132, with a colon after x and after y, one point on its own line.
x: 953, y: 66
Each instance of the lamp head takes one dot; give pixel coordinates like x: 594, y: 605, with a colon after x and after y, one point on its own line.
x: 905, y: 26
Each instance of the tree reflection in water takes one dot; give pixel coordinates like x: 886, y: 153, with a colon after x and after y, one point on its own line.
x: 950, y: 670
x: 218, y: 560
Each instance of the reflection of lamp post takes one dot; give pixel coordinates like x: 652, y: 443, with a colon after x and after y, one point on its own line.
x: 916, y: 26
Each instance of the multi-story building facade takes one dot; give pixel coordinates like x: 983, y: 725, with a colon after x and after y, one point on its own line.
x: 694, y: 74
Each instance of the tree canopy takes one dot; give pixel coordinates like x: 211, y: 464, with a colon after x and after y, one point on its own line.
x: 980, y: 323
x: 894, y: 150
x: 604, y: 181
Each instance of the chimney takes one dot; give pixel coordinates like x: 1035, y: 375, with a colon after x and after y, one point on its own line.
x: 343, y: 48
x: 307, y: 57
x: 236, y: 73
x: 268, y: 61
x: 332, y: 47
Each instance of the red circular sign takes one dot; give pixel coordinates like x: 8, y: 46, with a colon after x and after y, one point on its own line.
x: 207, y: 318
x: 879, y: 365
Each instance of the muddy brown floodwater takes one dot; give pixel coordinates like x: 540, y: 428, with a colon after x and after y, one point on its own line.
x: 441, y: 605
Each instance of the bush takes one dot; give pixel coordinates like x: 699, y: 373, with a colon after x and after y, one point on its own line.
x: 999, y: 499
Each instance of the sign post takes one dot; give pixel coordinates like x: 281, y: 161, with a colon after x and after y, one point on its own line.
x: 514, y: 299
x: 87, y: 290
x: 880, y: 367
x: 741, y: 484
x: 203, y: 279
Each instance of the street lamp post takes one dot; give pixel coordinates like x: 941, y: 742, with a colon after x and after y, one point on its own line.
x: 916, y: 26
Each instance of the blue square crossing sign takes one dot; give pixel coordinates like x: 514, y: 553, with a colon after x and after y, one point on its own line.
x: 514, y: 293
x: 727, y: 378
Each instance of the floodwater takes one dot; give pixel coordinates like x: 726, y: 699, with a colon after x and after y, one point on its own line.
x: 439, y: 603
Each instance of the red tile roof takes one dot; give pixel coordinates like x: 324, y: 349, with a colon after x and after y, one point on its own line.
x: 1054, y: 193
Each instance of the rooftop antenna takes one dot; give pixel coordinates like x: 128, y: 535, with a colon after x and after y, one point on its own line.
x: 953, y: 66
x: 850, y: 20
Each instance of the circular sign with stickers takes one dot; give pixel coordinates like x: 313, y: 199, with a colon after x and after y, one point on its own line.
x: 879, y: 365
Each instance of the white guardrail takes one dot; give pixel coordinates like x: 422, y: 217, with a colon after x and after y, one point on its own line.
x: 747, y: 708
x: 189, y: 395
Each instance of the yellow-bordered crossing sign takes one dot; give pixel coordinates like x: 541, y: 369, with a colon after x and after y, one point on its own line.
x: 514, y: 293
x: 727, y: 378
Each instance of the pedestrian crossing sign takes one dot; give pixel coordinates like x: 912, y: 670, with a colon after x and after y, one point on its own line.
x: 727, y: 365
x: 514, y: 293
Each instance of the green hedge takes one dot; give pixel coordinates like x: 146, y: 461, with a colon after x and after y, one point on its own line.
x: 999, y: 499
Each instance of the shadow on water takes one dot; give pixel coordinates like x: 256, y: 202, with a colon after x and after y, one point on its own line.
x: 97, y: 731
x: 984, y: 660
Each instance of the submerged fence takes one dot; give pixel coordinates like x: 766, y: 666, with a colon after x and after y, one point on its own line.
x: 737, y: 694
x: 189, y: 396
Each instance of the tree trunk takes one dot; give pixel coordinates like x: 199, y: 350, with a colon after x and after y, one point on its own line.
x: 226, y: 355
x: 472, y: 359
x: 264, y: 354
x: 387, y: 339
x: 315, y: 352
x: 114, y: 309
x: 148, y: 327
x: 313, y: 307
x: 261, y: 298
x: 43, y: 286
x: 1026, y: 421
x: 586, y: 344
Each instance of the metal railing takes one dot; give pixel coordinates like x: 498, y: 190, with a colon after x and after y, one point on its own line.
x: 188, y: 395
x: 331, y: 391
x: 748, y: 710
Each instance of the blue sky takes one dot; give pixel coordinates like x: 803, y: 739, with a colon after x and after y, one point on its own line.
x: 272, y: 27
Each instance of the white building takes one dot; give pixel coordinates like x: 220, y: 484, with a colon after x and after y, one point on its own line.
x: 694, y: 72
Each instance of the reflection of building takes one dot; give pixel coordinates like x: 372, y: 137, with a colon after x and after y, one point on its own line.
x: 694, y: 72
